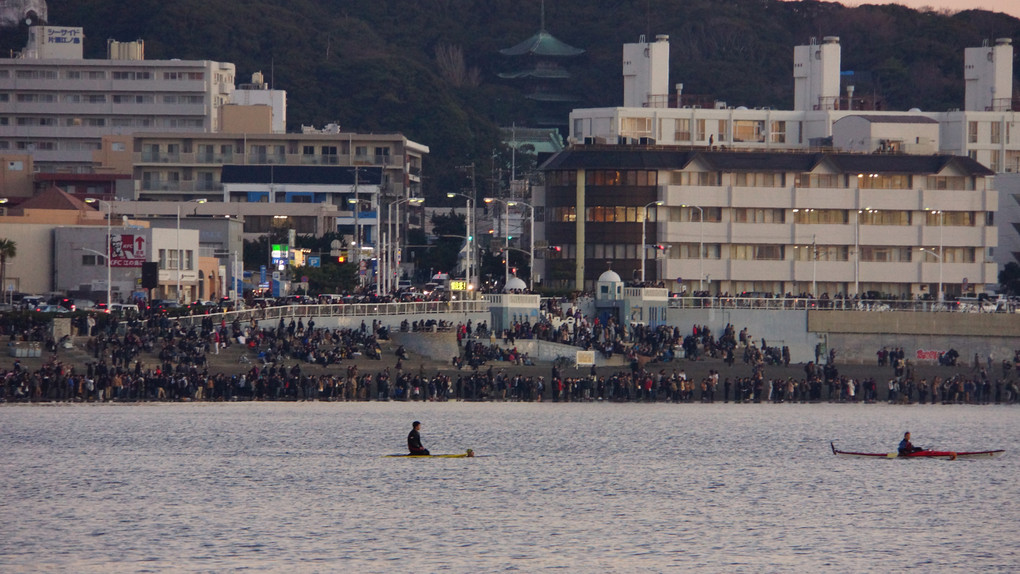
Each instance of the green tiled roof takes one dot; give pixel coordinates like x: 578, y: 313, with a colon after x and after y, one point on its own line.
x: 542, y: 44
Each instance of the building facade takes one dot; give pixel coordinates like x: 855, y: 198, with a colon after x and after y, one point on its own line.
x: 779, y: 223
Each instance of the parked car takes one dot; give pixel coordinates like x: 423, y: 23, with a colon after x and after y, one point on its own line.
x: 51, y: 309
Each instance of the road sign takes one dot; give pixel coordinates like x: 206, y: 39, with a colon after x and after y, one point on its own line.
x: 314, y: 261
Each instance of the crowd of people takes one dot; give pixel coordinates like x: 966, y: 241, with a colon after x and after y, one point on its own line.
x: 156, y: 357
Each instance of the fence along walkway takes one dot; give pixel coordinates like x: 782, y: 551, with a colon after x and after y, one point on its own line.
x: 347, y: 310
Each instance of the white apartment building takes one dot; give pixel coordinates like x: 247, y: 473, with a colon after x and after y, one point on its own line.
x: 781, y: 223
x: 984, y: 130
x: 56, y: 106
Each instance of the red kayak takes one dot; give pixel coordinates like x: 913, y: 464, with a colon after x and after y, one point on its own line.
x: 941, y: 454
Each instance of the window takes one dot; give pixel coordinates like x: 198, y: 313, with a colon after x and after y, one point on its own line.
x: 189, y: 260
x: 703, y: 178
x: 683, y: 130
x: 636, y: 127
x: 882, y: 181
x: 972, y: 132
x: 123, y: 75
x: 15, y: 166
x: 778, y: 132
x: 749, y: 131
x: 996, y: 132
x: 5, y: 97
x: 877, y: 217
x: 72, y: 75
x: 950, y: 182
x: 886, y: 254
x: 766, y: 179
x: 757, y: 252
x: 118, y: 146
x: 724, y: 128
x: 821, y: 216
x: 752, y: 215
x: 564, y: 215
x: 821, y: 253
x: 821, y: 180
x: 699, y: 130
x: 97, y: 75
x: 690, y: 251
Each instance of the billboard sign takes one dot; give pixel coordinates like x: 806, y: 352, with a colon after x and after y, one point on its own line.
x: 128, y: 250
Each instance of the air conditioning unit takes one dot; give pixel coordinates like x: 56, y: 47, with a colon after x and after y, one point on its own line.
x: 589, y: 141
x: 647, y: 141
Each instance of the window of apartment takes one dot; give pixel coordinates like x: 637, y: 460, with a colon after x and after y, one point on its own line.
x: 563, y: 215
x: 196, y: 76
x: 761, y: 179
x: 173, y: 76
x: 884, y: 217
x: 4, y: 120
x: 752, y: 215
x: 690, y: 251
x: 875, y: 254
x: 821, y: 253
x: 688, y: 214
x: 702, y: 178
x: 72, y: 74
x: 883, y: 181
x: 699, y: 130
x: 636, y: 127
x: 950, y: 218
x: 382, y: 152
x: 724, y: 129
x: 361, y: 151
x: 71, y: 98
x: 118, y: 146
x: 189, y: 260
x: 170, y: 99
x: 15, y: 166
x: 683, y: 130
x: 93, y: 260
x: 5, y: 74
x: 27, y: 98
x: 749, y: 131
x: 97, y: 75
x: 821, y: 216
x: 95, y: 98
x: 972, y: 132
x: 5, y: 97
x: 308, y: 150
x: 123, y: 75
x: 996, y: 132
x: 950, y: 182
x: 820, y: 180
x: 757, y: 252
x: 95, y: 122
x: 778, y: 132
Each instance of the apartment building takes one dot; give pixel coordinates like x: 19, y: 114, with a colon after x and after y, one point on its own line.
x: 56, y: 105
x: 768, y: 222
x: 656, y: 113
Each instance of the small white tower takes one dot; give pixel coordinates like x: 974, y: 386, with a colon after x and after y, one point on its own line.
x: 988, y: 74
x: 816, y: 69
x: 646, y: 73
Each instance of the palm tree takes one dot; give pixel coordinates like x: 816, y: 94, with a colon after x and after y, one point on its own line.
x: 8, y: 249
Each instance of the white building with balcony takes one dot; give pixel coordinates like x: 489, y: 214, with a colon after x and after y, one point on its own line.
x: 761, y: 222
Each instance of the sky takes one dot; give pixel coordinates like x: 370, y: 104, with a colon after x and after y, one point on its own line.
x: 1011, y: 7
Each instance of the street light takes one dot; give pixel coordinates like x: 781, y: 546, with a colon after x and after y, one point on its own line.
x: 701, y: 245
x: 644, y: 220
x: 470, y: 235
x: 506, y: 238
x: 179, y: 258
x: 531, y: 246
x: 940, y: 268
x: 942, y: 295
x: 109, y: 239
x: 395, y: 244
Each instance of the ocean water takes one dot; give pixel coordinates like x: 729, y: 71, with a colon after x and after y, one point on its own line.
x: 303, y: 487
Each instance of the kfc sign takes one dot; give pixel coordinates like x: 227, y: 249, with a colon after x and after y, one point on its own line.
x: 127, y: 250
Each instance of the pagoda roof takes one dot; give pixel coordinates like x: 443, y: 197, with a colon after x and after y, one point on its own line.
x: 542, y: 44
x: 543, y: 73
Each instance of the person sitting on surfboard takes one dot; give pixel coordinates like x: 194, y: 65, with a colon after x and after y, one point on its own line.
x: 414, y: 441
x: 906, y: 447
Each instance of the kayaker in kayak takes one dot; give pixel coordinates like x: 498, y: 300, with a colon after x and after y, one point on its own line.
x: 906, y: 447
x: 414, y: 441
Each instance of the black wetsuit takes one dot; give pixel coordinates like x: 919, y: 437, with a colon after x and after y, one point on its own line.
x: 414, y: 443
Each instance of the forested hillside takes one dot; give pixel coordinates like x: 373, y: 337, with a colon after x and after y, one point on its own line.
x: 427, y: 68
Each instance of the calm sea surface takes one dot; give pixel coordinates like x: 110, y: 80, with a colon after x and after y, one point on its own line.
x: 573, y: 488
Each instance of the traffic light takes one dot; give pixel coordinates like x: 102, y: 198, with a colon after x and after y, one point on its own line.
x: 341, y: 259
x: 555, y: 248
x: 660, y: 247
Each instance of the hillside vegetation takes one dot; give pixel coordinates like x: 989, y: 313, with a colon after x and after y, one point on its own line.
x: 427, y: 68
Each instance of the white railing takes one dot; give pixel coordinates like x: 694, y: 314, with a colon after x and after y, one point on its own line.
x: 800, y: 303
x: 348, y: 310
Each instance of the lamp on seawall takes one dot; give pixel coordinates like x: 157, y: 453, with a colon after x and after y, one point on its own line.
x: 179, y: 258
x: 644, y: 246
x: 109, y: 273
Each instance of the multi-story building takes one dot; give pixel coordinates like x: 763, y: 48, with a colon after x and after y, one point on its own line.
x: 652, y: 113
x: 56, y: 106
x: 768, y: 222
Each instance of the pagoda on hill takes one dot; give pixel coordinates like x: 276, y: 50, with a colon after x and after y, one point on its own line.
x: 542, y: 75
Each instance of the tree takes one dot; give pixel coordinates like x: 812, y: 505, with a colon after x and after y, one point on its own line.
x: 1009, y: 279
x: 8, y: 249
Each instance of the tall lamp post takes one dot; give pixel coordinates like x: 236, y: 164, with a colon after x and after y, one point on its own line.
x: 644, y: 247
x: 939, y: 256
x: 179, y: 258
x: 109, y: 239
x: 470, y: 235
x: 506, y: 238
x: 701, y: 245
x: 531, y: 243
x: 391, y: 268
x: 941, y: 214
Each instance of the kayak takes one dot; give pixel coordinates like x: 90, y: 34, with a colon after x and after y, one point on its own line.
x: 469, y: 454
x: 939, y: 454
